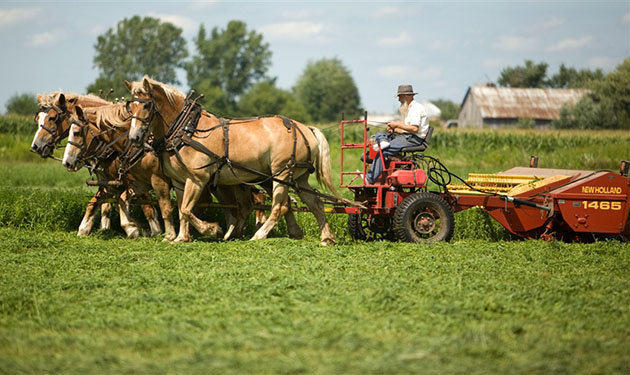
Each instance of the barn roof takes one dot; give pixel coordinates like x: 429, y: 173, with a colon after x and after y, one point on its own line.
x: 503, y: 102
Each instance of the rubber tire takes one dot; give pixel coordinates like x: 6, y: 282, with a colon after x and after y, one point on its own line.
x: 357, y: 232
x: 404, y: 215
x: 354, y: 227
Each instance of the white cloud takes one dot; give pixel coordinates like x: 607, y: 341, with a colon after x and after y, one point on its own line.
x: 294, y: 30
x: 570, y: 44
x: 14, y: 16
x: 188, y: 25
x: 397, y: 41
x: 297, y: 14
x: 386, y: 12
x: 606, y: 63
x: 547, y: 25
x: 47, y: 39
x: 515, y: 43
x: 493, y: 63
x: 202, y: 5
x: 97, y: 30
x: 442, y: 45
x: 409, y: 72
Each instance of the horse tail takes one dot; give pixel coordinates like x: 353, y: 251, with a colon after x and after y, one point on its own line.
x: 322, y: 163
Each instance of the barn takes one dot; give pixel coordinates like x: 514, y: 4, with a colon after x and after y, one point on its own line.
x: 486, y: 105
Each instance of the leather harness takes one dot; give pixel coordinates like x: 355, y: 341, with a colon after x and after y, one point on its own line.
x: 182, y: 130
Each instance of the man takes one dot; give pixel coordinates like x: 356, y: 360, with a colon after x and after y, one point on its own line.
x: 410, y: 131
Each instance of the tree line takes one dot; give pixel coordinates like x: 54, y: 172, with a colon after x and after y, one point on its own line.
x: 230, y: 67
x: 605, y: 106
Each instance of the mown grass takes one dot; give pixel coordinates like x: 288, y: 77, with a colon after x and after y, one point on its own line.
x: 109, y: 305
x: 483, y: 303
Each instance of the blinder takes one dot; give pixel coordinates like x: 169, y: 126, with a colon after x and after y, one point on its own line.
x: 57, y: 119
x: 146, y: 120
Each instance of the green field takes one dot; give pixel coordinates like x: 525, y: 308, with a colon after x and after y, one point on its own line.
x: 483, y: 304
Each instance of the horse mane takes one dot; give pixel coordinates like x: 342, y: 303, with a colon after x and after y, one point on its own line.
x: 89, y: 100
x: 137, y: 87
x: 112, y: 115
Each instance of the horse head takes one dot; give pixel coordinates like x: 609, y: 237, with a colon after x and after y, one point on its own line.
x: 152, y: 106
x: 52, y: 123
x: 82, y: 136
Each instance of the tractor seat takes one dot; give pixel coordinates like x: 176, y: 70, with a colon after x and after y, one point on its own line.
x: 420, y: 147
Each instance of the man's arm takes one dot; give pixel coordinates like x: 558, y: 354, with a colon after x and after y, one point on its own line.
x: 399, y: 127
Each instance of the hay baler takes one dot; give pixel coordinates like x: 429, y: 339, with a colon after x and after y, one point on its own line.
x: 530, y: 202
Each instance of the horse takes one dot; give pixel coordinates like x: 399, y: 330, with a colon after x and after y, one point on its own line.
x: 99, y: 128
x: 269, y: 148
x: 54, y: 109
x: 98, y: 136
x: 52, y: 128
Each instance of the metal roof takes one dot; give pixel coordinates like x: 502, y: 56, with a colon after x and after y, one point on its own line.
x: 502, y: 102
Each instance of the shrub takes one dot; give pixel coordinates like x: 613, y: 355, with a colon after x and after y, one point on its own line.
x: 18, y: 124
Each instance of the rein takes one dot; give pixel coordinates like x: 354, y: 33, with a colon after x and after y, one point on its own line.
x: 57, y: 135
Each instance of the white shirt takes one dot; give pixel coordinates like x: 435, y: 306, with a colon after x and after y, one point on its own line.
x: 417, y: 115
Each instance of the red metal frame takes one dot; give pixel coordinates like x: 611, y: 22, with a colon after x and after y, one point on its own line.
x: 576, y: 208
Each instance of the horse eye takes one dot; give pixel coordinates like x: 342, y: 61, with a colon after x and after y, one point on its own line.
x: 146, y: 106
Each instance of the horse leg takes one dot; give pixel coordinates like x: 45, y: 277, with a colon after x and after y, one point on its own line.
x: 126, y: 221
x: 191, y: 194
x: 316, y: 206
x: 225, y: 195
x: 279, y: 207
x: 90, y: 214
x: 151, y: 215
x: 293, y: 228
x: 245, y: 203
x: 258, y: 198
x: 106, y: 212
x: 163, y: 193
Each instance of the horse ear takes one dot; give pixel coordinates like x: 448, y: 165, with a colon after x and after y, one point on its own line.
x: 146, y: 84
x: 128, y: 84
x: 39, y: 98
x: 80, y: 114
x: 62, y: 101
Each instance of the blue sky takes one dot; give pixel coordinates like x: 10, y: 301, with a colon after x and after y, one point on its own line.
x: 441, y: 48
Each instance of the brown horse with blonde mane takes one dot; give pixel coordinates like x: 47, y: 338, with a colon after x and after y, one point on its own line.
x: 54, y: 108
x: 107, y: 126
x: 271, y: 146
x: 98, y: 135
x: 52, y: 127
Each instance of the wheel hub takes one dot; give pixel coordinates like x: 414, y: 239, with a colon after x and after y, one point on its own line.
x: 424, y: 223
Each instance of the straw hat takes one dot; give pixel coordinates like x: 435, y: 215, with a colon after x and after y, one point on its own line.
x: 405, y: 90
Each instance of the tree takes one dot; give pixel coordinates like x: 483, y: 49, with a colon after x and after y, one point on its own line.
x: 22, y: 104
x: 449, y: 109
x: 326, y: 89
x: 138, y: 46
x: 570, y: 78
x: 266, y: 99
x: 230, y: 60
x: 614, y: 91
x: 605, y: 107
x: 531, y: 75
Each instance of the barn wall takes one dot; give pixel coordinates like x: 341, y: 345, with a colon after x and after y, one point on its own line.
x: 470, y: 116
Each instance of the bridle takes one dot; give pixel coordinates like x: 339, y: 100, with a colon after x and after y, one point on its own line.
x: 152, y: 110
x: 56, y: 133
x: 146, y: 121
x: 95, y: 154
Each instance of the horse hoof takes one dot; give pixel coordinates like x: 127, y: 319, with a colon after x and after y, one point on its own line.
x: 327, y: 241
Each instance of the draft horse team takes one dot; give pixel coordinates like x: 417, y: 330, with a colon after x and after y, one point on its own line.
x: 162, y: 139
